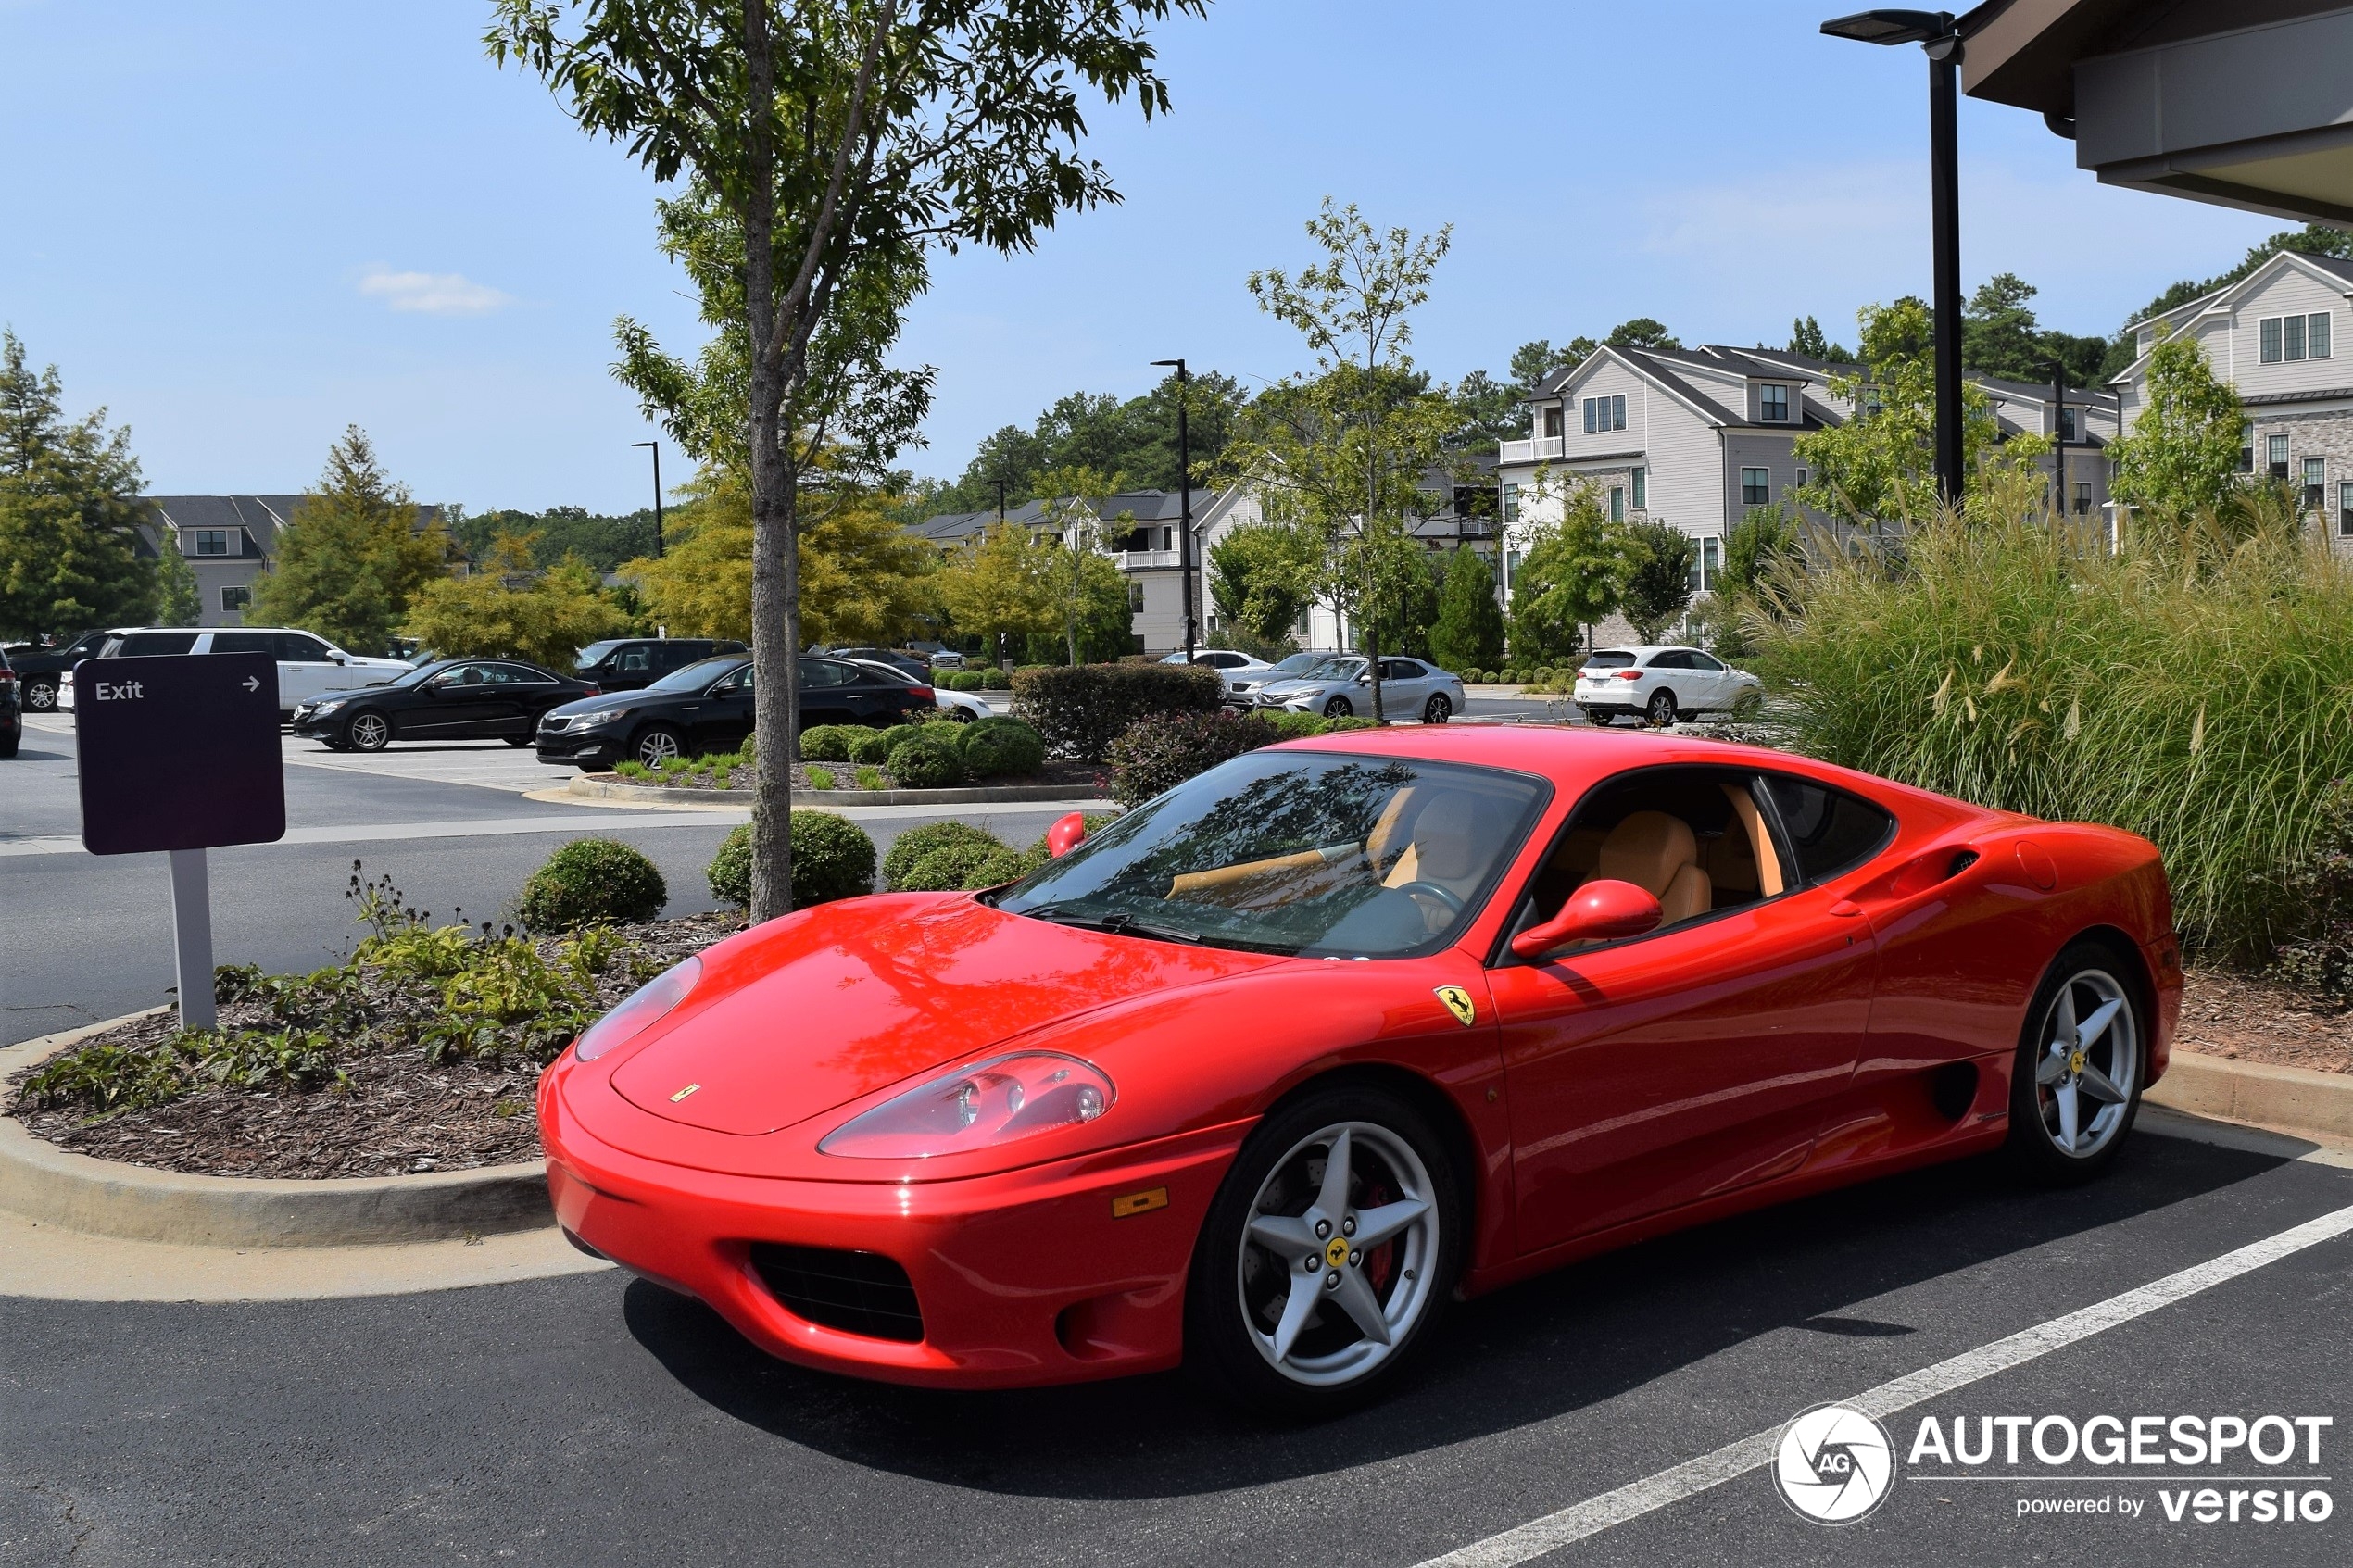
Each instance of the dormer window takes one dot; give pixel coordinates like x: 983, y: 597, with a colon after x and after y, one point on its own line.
x: 1772, y: 405
x: 208, y: 542
x: 2068, y: 431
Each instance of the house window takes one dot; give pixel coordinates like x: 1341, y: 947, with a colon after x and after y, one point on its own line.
x: 2345, y: 509
x: 1642, y: 489
x: 1872, y: 402
x: 1772, y: 403
x: 2275, y: 456
x: 1167, y: 538
x: 234, y: 600
x: 1618, y: 412
x: 1136, y: 594
x: 2083, y: 497
x: 1618, y: 503
x: 2316, y: 335
x: 1757, y: 487
x: 1511, y: 504
x: 1803, y: 479
x: 2267, y: 337
x: 1591, y: 406
x: 1604, y: 414
x: 2315, y: 481
x: 1708, y: 564
x: 2068, y: 430
x: 2292, y: 336
x: 1553, y: 424
x: 2247, y: 449
x: 208, y: 541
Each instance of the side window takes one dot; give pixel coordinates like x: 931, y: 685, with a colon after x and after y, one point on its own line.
x: 1828, y: 830
x: 637, y: 659
x: 144, y: 643
x: 1693, y: 838
x: 521, y: 675
x: 1670, y: 659
x: 824, y: 672
x: 1701, y: 662
x: 242, y: 642
x: 500, y: 675
x: 292, y: 647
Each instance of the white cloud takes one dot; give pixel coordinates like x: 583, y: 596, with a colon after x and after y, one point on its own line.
x: 432, y: 294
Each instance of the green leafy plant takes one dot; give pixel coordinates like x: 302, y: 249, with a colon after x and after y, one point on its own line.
x: 1078, y: 710
x: 873, y: 778
x: 591, y: 880
x: 819, y: 778
x: 830, y: 743
x: 917, y: 842
x: 998, y: 748
x: 926, y: 763
x: 832, y: 858
x: 1160, y: 752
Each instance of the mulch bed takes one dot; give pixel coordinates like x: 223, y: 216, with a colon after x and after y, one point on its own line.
x: 399, y: 1115
x: 2247, y: 1019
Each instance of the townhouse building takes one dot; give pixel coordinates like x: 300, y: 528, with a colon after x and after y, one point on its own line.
x: 2274, y: 335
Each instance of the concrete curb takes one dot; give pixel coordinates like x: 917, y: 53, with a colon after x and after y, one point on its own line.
x: 600, y: 787
x: 55, y: 1187
x: 2287, y: 1100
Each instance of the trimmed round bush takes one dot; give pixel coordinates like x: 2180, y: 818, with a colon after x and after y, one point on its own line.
x: 995, y: 679
x: 1080, y: 710
x: 965, y: 865
x: 1160, y: 752
x: 1298, y: 726
x: 918, y: 842
x: 996, y: 748
x: 830, y: 743
x: 832, y: 858
x: 872, y: 746
x: 925, y: 763
x: 590, y: 882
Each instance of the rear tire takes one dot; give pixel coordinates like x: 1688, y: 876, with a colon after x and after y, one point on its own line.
x: 516, y: 740
x: 1264, y: 1330
x: 1437, y: 709
x: 41, y: 697
x: 2075, y: 1087
x: 1661, y: 708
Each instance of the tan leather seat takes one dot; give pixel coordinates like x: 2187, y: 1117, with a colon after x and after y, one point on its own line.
x: 1658, y: 854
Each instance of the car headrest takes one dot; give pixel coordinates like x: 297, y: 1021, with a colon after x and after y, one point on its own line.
x: 1446, y: 838
x: 1647, y: 849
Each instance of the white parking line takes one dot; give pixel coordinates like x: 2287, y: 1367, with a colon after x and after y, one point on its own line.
x: 1693, y: 1476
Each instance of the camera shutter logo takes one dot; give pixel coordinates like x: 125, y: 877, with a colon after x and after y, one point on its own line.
x: 1834, y: 1464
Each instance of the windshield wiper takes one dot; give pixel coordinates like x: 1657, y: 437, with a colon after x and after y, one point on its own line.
x: 1119, y: 923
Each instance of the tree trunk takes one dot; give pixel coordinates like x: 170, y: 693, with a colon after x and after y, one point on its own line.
x: 775, y: 566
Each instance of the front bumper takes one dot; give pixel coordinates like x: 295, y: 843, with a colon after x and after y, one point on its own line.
x: 1023, y: 1278
x: 587, y: 746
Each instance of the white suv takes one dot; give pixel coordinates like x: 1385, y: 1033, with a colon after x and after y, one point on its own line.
x: 1662, y: 684
x: 308, y: 665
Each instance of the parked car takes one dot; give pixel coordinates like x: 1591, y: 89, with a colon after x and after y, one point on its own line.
x: 625, y: 664
x: 946, y: 660
x: 906, y: 663
x: 1231, y: 666
x: 707, y: 707
x: 1342, y: 686
x: 962, y: 706
x: 448, y: 699
x: 1662, y: 684
x: 11, y: 711
x: 1106, y: 1121
x: 38, y: 668
x: 1297, y: 664
x: 308, y: 665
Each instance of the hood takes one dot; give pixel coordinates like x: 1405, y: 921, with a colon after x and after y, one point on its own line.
x: 609, y: 702
x: 822, y: 1008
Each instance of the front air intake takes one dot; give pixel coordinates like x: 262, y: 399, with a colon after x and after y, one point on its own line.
x: 855, y: 1292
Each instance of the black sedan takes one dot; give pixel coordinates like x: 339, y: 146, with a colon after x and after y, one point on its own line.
x: 448, y: 699
x: 707, y: 707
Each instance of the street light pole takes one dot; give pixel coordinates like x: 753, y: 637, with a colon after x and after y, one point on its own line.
x: 1183, y: 502
x: 655, y: 447
x: 1935, y: 32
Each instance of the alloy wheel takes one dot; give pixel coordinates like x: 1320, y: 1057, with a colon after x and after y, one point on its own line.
x: 2087, y: 1065
x: 40, y: 695
x: 1438, y: 710
x: 656, y: 747
x: 1339, y: 1259
x: 367, y: 731
x: 1339, y: 707
x: 1662, y: 708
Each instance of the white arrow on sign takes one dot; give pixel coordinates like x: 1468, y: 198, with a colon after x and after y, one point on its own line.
x: 253, y: 683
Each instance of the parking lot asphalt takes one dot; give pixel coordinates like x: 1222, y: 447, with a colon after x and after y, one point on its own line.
x: 595, y: 1419
x: 90, y: 937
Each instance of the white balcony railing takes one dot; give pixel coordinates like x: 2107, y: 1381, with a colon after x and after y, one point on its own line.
x: 1542, y: 449
x: 1136, y: 561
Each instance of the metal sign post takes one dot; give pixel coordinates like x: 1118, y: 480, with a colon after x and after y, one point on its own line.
x: 177, y: 754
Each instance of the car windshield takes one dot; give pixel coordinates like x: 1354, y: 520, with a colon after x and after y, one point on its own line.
x: 694, y: 677
x: 1318, y: 853
x: 1336, y: 670
x: 1610, y: 658
x: 1298, y: 662
x: 594, y: 653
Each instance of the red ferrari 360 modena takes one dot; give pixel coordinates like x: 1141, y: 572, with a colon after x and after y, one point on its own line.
x: 1261, y: 1076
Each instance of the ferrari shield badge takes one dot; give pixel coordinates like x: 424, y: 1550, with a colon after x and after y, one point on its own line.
x: 1458, y: 1002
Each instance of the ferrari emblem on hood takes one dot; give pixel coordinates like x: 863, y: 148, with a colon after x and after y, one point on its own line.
x: 1458, y: 1002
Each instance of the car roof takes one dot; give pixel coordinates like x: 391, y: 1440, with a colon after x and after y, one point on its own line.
x: 1650, y: 648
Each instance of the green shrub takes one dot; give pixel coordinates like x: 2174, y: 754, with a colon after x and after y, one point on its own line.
x: 965, y: 866
x: 819, y: 778
x: 1338, y: 726
x: 830, y: 743
x: 874, y: 746
x: 918, y: 842
x: 1160, y: 752
x: 996, y: 680
x: 2194, y: 687
x: 2316, y: 959
x: 964, y: 681
x: 996, y: 748
x: 926, y: 763
x: 1298, y: 726
x: 1080, y: 710
x: 590, y: 881
x: 872, y: 778
x: 832, y: 858
x: 750, y: 751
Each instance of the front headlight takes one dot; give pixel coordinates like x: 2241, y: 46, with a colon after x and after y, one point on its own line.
x: 997, y: 1101
x: 612, y: 718
x: 640, y: 1011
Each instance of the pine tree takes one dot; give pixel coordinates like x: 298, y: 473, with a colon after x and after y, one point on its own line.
x: 352, y: 557
x: 69, y: 556
x: 1469, y: 634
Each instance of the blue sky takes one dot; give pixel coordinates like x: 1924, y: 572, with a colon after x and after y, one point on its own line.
x: 244, y: 225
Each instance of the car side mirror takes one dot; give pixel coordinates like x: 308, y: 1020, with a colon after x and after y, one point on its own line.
x: 1066, y: 835
x: 1599, y: 912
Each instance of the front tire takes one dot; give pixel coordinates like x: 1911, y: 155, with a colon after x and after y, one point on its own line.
x: 41, y: 697
x: 1437, y: 709
x: 656, y: 745
x: 1289, y: 1311
x: 367, y: 731
x: 2075, y: 1089
x: 1339, y: 707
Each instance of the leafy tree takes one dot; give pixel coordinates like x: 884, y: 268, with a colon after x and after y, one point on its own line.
x: 1469, y: 631
x: 1406, y: 606
x: 1257, y: 577
x: 508, y: 606
x: 353, y: 556
x: 69, y: 510
x: 1135, y: 440
x: 1658, y: 575
x: 1642, y: 332
x: 1755, y: 547
x: 179, y: 599
x: 1339, y: 456
x: 601, y: 540
x: 829, y: 145
x: 996, y: 587
x: 1533, y: 361
x: 2183, y: 452
x: 2000, y: 337
x: 1572, y: 575
x: 1087, y: 591
x: 1489, y: 411
x: 1806, y: 337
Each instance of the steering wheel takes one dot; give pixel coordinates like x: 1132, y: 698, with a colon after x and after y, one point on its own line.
x: 1445, y: 896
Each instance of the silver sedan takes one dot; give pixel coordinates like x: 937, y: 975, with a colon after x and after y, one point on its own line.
x: 1342, y: 687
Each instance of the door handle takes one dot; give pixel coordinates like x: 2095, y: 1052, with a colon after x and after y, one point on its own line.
x: 1845, y: 907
